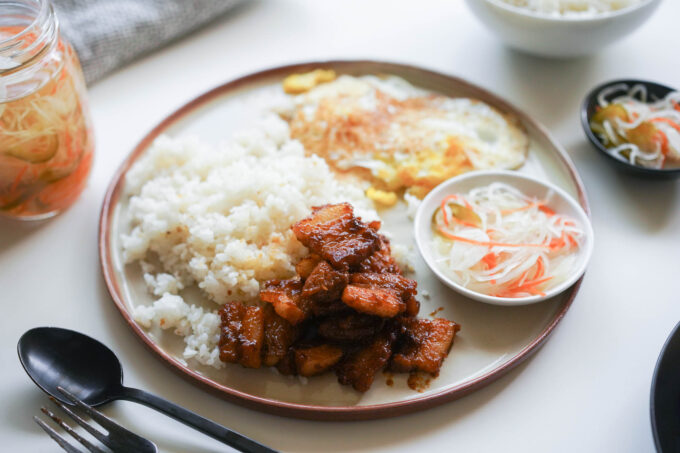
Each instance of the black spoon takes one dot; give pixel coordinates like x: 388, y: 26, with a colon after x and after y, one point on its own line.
x: 55, y: 357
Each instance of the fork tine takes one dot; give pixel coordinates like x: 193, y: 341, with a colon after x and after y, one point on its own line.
x: 97, y: 416
x: 76, y: 418
x: 63, y: 443
x: 86, y: 443
x: 118, y: 438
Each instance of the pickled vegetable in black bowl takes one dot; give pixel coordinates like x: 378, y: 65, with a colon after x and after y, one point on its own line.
x: 643, y: 131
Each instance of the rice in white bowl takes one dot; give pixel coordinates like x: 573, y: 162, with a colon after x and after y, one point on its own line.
x: 219, y: 217
x: 573, y: 7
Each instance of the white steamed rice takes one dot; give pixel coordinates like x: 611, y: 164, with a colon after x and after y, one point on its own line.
x: 219, y: 218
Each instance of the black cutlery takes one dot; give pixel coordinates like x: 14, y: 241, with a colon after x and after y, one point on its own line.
x: 55, y: 357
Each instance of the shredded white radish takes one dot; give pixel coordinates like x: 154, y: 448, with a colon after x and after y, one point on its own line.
x: 497, y: 241
x: 637, y: 131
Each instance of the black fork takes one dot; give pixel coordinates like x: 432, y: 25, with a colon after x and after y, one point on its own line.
x: 116, y: 438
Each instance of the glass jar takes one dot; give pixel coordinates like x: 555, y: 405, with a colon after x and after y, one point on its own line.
x: 46, y: 140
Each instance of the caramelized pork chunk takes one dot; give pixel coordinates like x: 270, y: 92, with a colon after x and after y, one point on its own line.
x: 324, y: 284
x: 252, y: 337
x: 412, y: 307
x: 381, y: 302
x: 332, y: 308
x: 286, y: 365
x: 354, y: 327
x: 349, y: 310
x: 381, y: 260
x: 426, y: 344
x: 242, y: 334
x: 231, y: 316
x: 315, y: 360
x: 404, y: 287
x: 285, y: 297
x: 360, y: 367
x: 333, y: 232
x: 279, y: 334
x: 307, y: 265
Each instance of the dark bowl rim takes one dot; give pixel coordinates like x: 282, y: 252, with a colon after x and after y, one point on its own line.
x: 652, y: 394
x: 585, y: 123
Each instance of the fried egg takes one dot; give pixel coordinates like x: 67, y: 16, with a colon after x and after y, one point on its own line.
x: 400, y: 137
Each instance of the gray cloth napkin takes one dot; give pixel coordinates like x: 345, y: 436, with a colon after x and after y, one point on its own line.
x: 110, y: 33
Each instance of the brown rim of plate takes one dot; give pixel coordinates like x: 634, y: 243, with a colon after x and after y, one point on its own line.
x: 305, y: 411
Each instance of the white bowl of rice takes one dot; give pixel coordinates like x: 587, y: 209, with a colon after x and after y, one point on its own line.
x: 562, y: 28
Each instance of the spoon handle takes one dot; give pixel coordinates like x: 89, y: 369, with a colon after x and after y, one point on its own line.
x: 212, y: 429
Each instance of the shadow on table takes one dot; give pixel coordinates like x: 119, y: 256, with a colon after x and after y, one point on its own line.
x: 647, y: 203
x: 19, y: 407
x: 554, y: 88
x: 14, y: 231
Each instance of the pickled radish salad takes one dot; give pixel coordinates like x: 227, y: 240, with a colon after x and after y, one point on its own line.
x: 495, y: 240
x: 638, y: 129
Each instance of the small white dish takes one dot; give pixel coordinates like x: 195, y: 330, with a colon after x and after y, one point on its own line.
x: 559, y: 36
x: 556, y: 199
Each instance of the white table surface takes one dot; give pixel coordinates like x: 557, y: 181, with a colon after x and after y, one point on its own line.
x: 586, y: 390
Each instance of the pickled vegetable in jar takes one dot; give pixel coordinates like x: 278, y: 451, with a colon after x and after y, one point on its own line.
x: 46, y: 139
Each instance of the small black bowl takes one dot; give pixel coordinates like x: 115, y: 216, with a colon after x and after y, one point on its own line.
x: 654, y: 90
x: 665, y: 396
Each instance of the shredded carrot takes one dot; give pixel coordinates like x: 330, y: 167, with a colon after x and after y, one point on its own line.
x: 521, y: 286
x: 572, y: 241
x: 675, y: 105
x: 490, y: 260
x: 527, y: 287
x: 540, y: 268
x: 671, y: 123
x: 532, y: 283
x: 442, y: 207
x: 445, y: 201
x: 17, y: 180
x: 663, y: 139
x: 457, y: 197
x: 487, y: 244
x: 547, y: 210
x: 520, y: 280
x: 559, y: 243
x: 463, y: 222
x: 523, y: 208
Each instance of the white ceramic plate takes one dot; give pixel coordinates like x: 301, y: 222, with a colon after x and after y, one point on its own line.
x: 492, y: 341
x: 556, y: 199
